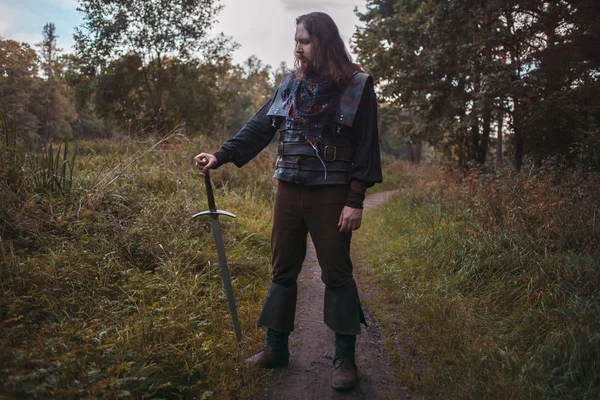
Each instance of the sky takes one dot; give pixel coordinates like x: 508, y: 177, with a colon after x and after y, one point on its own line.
x: 264, y: 28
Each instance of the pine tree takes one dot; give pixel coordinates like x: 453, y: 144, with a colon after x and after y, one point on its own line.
x: 54, y: 109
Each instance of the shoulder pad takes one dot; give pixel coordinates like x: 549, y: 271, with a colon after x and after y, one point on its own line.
x: 276, y: 109
x: 350, y: 98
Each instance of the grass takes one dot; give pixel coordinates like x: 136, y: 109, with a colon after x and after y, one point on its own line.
x: 114, y: 292
x: 489, y: 283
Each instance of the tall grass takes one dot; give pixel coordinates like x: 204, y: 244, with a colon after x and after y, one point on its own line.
x: 114, y: 292
x: 10, y: 153
x: 42, y: 171
x: 490, y: 283
x: 50, y: 171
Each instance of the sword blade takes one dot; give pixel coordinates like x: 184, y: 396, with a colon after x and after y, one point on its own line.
x: 216, y: 228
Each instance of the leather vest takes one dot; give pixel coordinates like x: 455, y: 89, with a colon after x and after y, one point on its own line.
x: 331, y: 163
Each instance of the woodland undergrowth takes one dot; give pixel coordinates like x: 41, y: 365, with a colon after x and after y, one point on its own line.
x: 111, y: 290
x: 489, y: 282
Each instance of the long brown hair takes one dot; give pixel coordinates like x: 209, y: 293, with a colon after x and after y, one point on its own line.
x: 330, y: 56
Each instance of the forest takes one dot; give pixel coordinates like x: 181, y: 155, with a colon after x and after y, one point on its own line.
x: 487, y: 261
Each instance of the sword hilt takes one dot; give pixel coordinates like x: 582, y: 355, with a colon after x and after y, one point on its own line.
x: 212, y: 207
x: 209, y: 192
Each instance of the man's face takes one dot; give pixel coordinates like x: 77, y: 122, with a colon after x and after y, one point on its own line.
x: 304, y: 47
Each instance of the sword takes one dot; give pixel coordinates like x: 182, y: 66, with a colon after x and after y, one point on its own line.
x: 216, y: 228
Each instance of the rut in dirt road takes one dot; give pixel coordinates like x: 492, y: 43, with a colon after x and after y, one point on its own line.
x: 312, y: 346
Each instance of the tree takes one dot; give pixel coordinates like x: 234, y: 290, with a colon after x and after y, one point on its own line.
x: 120, y: 94
x: 53, y: 104
x: 249, y: 87
x: 563, y: 86
x: 459, y: 66
x: 434, y: 59
x: 155, y: 31
x: 18, y: 84
x: 83, y: 86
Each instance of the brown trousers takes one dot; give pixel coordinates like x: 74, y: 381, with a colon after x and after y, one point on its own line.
x: 300, y: 210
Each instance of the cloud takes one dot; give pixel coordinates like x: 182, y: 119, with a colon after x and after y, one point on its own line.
x: 30, y: 38
x: 315, y: 5
x: 6, y: 20
x: 66, y: 4
x: 11, y: 28
x: 23, y: 20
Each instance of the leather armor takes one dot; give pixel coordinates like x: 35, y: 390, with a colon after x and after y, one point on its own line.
x: 331, y: 162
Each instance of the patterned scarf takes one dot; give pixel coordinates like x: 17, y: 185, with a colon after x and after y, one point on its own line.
x: 309, y: 103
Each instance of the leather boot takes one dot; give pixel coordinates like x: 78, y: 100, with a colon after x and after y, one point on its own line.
x: 268, y: 358
x: 275, y: 354
x: 345, y: 374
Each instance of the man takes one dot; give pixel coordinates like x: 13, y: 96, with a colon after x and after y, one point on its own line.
x: 328, y: 155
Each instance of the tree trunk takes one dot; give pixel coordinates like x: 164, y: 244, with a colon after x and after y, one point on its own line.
x: 485, y: 137
x: 462, y: 142
x: 159, y: 95
x: 517, y: 127
x: 414, y: 151
x: 411, y: 153
x: 487, y: 109
x: 474, y: 148
x: 499, y: 139
x: 418, y: 151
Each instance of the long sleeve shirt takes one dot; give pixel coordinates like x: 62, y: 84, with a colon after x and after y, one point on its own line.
x: 259, y: 132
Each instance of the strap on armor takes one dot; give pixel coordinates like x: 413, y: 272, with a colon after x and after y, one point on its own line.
x: 326, y: 153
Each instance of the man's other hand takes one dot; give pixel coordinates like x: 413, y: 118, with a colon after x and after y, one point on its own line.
x: 350, y: 219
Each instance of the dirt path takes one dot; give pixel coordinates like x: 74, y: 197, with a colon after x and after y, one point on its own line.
x: 312, y: 346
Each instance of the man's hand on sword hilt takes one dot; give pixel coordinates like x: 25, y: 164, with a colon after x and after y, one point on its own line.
x: 205, y: 161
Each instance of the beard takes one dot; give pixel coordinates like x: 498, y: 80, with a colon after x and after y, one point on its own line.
x: 304, y: 66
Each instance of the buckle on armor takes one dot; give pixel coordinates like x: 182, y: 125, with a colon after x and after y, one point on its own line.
x: 329, y: 153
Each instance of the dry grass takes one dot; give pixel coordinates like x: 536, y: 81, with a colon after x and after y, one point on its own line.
x: 114, y: 292
x: 490, y: 283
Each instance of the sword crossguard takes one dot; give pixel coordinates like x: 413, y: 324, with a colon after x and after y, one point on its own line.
x: 212, y: 208
x: 215, y: 212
